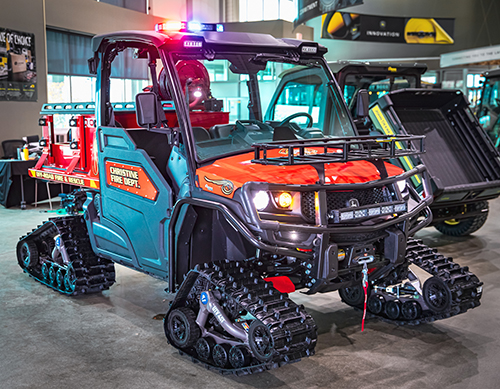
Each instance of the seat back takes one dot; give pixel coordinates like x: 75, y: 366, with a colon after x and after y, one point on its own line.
x: 221, y: 130
x: 10, y: 147
x: 201, y: 134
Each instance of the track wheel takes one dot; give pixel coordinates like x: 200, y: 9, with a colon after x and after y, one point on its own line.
x: 393, y: 309
x: 27, y: 254
x: 60, y: 278
x: 181, y: 328
x: 70, y: 279
x: 45, y: 271
x: 260, y: 341
x: 375, y: 304
x: 353, y: 295
x: 239, y: 357
x: 48, y: 245
x: 204, y: 348
x: 220, y: 355
x: 437, y: 295
x: 411, y: 310
x: 52, y: 274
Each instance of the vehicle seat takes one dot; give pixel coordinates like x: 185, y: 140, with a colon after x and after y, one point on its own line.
x: 283, y: 133
x: 10, y: 147
x: 201, y: 134
x: 221, y: 130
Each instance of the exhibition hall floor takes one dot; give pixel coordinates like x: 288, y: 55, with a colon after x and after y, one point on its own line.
x: 112, y: 340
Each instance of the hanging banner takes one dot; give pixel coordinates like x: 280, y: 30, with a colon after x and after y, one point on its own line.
x: 17, y: 65
x: 310, y: 9
x: 371, y: 28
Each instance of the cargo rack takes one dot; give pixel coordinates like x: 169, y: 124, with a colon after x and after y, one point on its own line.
x: 359, y: 148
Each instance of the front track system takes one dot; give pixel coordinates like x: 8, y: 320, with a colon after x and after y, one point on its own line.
x: 228, y: 318
x: 428, y: 287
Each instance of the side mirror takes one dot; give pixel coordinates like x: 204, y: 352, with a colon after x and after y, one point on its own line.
x: 93, y: 64
x: 145, y: 108
x: 362, y: 103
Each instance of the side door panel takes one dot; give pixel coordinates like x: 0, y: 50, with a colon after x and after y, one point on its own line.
x: 135, y: 199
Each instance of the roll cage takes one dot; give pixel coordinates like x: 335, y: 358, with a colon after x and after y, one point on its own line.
x: 206, y: 45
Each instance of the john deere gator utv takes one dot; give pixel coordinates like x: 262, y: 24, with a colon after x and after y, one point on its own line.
x: 488, y: 109
x: 463, y: 165
x: 191, y: 185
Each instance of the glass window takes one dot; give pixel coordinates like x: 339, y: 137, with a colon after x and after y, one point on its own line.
x: 117, y: 90
x: 297, y: 97
x: 135, y: 5
x: 77, y: 89
x: 254, y: 95
x: 288, y: 10
x: 82, y: 89
x: 58, y: 89
x: 255, y: 10
x: 376, y: 85
x: 67, y: 53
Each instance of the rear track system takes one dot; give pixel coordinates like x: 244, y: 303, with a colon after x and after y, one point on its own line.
x: 59, y: 255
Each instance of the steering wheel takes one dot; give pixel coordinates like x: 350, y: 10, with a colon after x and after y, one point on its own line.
x: 296, y: 115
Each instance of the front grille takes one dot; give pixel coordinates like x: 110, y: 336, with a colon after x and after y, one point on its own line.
x: 336, y: 200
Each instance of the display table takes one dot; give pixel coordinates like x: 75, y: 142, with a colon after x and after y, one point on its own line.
x: 17, y: 188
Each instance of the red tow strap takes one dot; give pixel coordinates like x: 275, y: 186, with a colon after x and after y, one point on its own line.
x: 365, y: 289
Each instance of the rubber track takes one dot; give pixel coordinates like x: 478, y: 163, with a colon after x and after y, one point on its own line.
x: 93, y: 273
x: 293, y: 329
x: 462, y: 283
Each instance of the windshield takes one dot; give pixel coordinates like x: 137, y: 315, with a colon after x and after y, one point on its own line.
x: 236, y: 100
x: 489, y: 112
x: 376, y: 85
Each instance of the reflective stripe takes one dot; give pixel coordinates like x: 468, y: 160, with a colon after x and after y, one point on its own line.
x: 387, y: 129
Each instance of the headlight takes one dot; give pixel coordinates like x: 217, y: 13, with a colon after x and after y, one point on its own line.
x: 284, y: 200
x: 401, y: 186
x: 261, y: 200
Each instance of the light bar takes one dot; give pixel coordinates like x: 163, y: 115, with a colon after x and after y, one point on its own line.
x: 192, y: 26
x: 360, y: 213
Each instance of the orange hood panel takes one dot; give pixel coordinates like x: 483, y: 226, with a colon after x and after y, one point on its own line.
x: 225, y: 175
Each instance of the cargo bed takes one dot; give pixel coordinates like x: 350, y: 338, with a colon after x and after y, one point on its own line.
x: 460, y: 158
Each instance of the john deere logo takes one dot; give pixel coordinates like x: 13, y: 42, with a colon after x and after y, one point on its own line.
x: 226, y: 186
x: 353, y: 203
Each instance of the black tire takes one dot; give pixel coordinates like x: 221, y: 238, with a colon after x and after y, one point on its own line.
x: 411, y: 310
x: 27, y: 254
x: 181, y: 328
x: 463, y: 227
x: 261, y: 341
x: 375, y: 304
x: 392, y: 309
x: 220, y: 355
x: 239, y: 357
x: 353, y: 295
x: 437, y: 295
x: 204, y: 348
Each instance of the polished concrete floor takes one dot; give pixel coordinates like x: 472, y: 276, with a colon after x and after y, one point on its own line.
x: 112, y: 340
